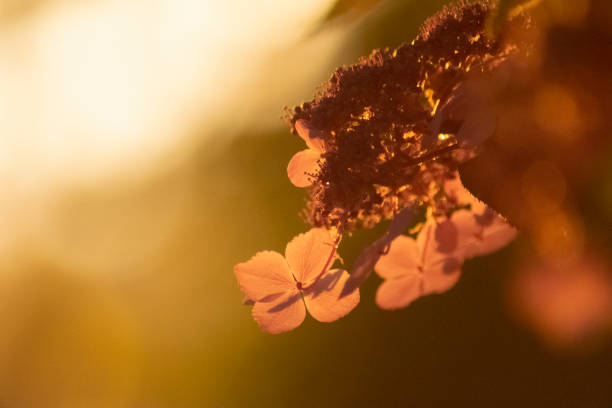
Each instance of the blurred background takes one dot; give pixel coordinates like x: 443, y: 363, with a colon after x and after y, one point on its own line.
x: 143, y: 155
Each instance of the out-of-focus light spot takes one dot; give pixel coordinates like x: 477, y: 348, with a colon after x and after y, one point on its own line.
x: 99, y: 95
x: 559, y: 234
x: 94, y: 89
x: 443, y: 136
x: 567, y: 303
x: 543, y: 187
x: 555, y: 111
x: 567, y: 12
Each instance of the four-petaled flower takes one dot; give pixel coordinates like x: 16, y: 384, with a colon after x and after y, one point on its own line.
x: 414, y: 268
x: 432, y: 263
x: 382, y: 137
x: 282, y: 288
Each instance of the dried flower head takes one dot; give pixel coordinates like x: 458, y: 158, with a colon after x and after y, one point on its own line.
x: 384, y: 137
x: 395, y: 125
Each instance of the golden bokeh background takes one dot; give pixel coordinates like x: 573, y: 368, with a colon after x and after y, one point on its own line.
x: 142, y: 155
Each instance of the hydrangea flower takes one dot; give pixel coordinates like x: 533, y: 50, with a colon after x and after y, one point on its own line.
x: 431, y: 263
x: 385, y: 138
x: 414, y: 268
x: 282, y: 288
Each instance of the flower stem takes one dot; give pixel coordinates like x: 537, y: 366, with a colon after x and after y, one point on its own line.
x: 327, y: 264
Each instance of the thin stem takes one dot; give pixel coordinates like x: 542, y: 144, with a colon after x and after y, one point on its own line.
x: 327, y: 263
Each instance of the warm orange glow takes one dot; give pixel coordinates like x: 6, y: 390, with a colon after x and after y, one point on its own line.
x: 567, y: 13
x: 110, y: 92
x: 566, y: 302
x: 556, y: 111
x: 543, y: 187
x: 559, y: 234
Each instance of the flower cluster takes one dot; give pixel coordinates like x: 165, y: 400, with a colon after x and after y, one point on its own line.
x: 383, y: 130
x: 385, y: 138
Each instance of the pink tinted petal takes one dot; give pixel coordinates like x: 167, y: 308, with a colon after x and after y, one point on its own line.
x: 428, y: 253
x: 426, y: 240
x: 454, y: 188
x: 485, y: 217
x: 308, y: 253
x: 428, y: 246
x: 440, y: 270
x: 403, y: 258
x: 493, y: 238
x: 399, y: 292
x: 467, y: 230
x: 447, y: 236
x: 284, y: 314
x: 301, y: 166
x: 323, y: 298
x: 478, y: 235
x: 313, y: 137
x: 264, y: 275
x: 476, y: 205
x: 441, y: 275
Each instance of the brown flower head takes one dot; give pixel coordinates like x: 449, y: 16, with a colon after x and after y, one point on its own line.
x: 391, y: 125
